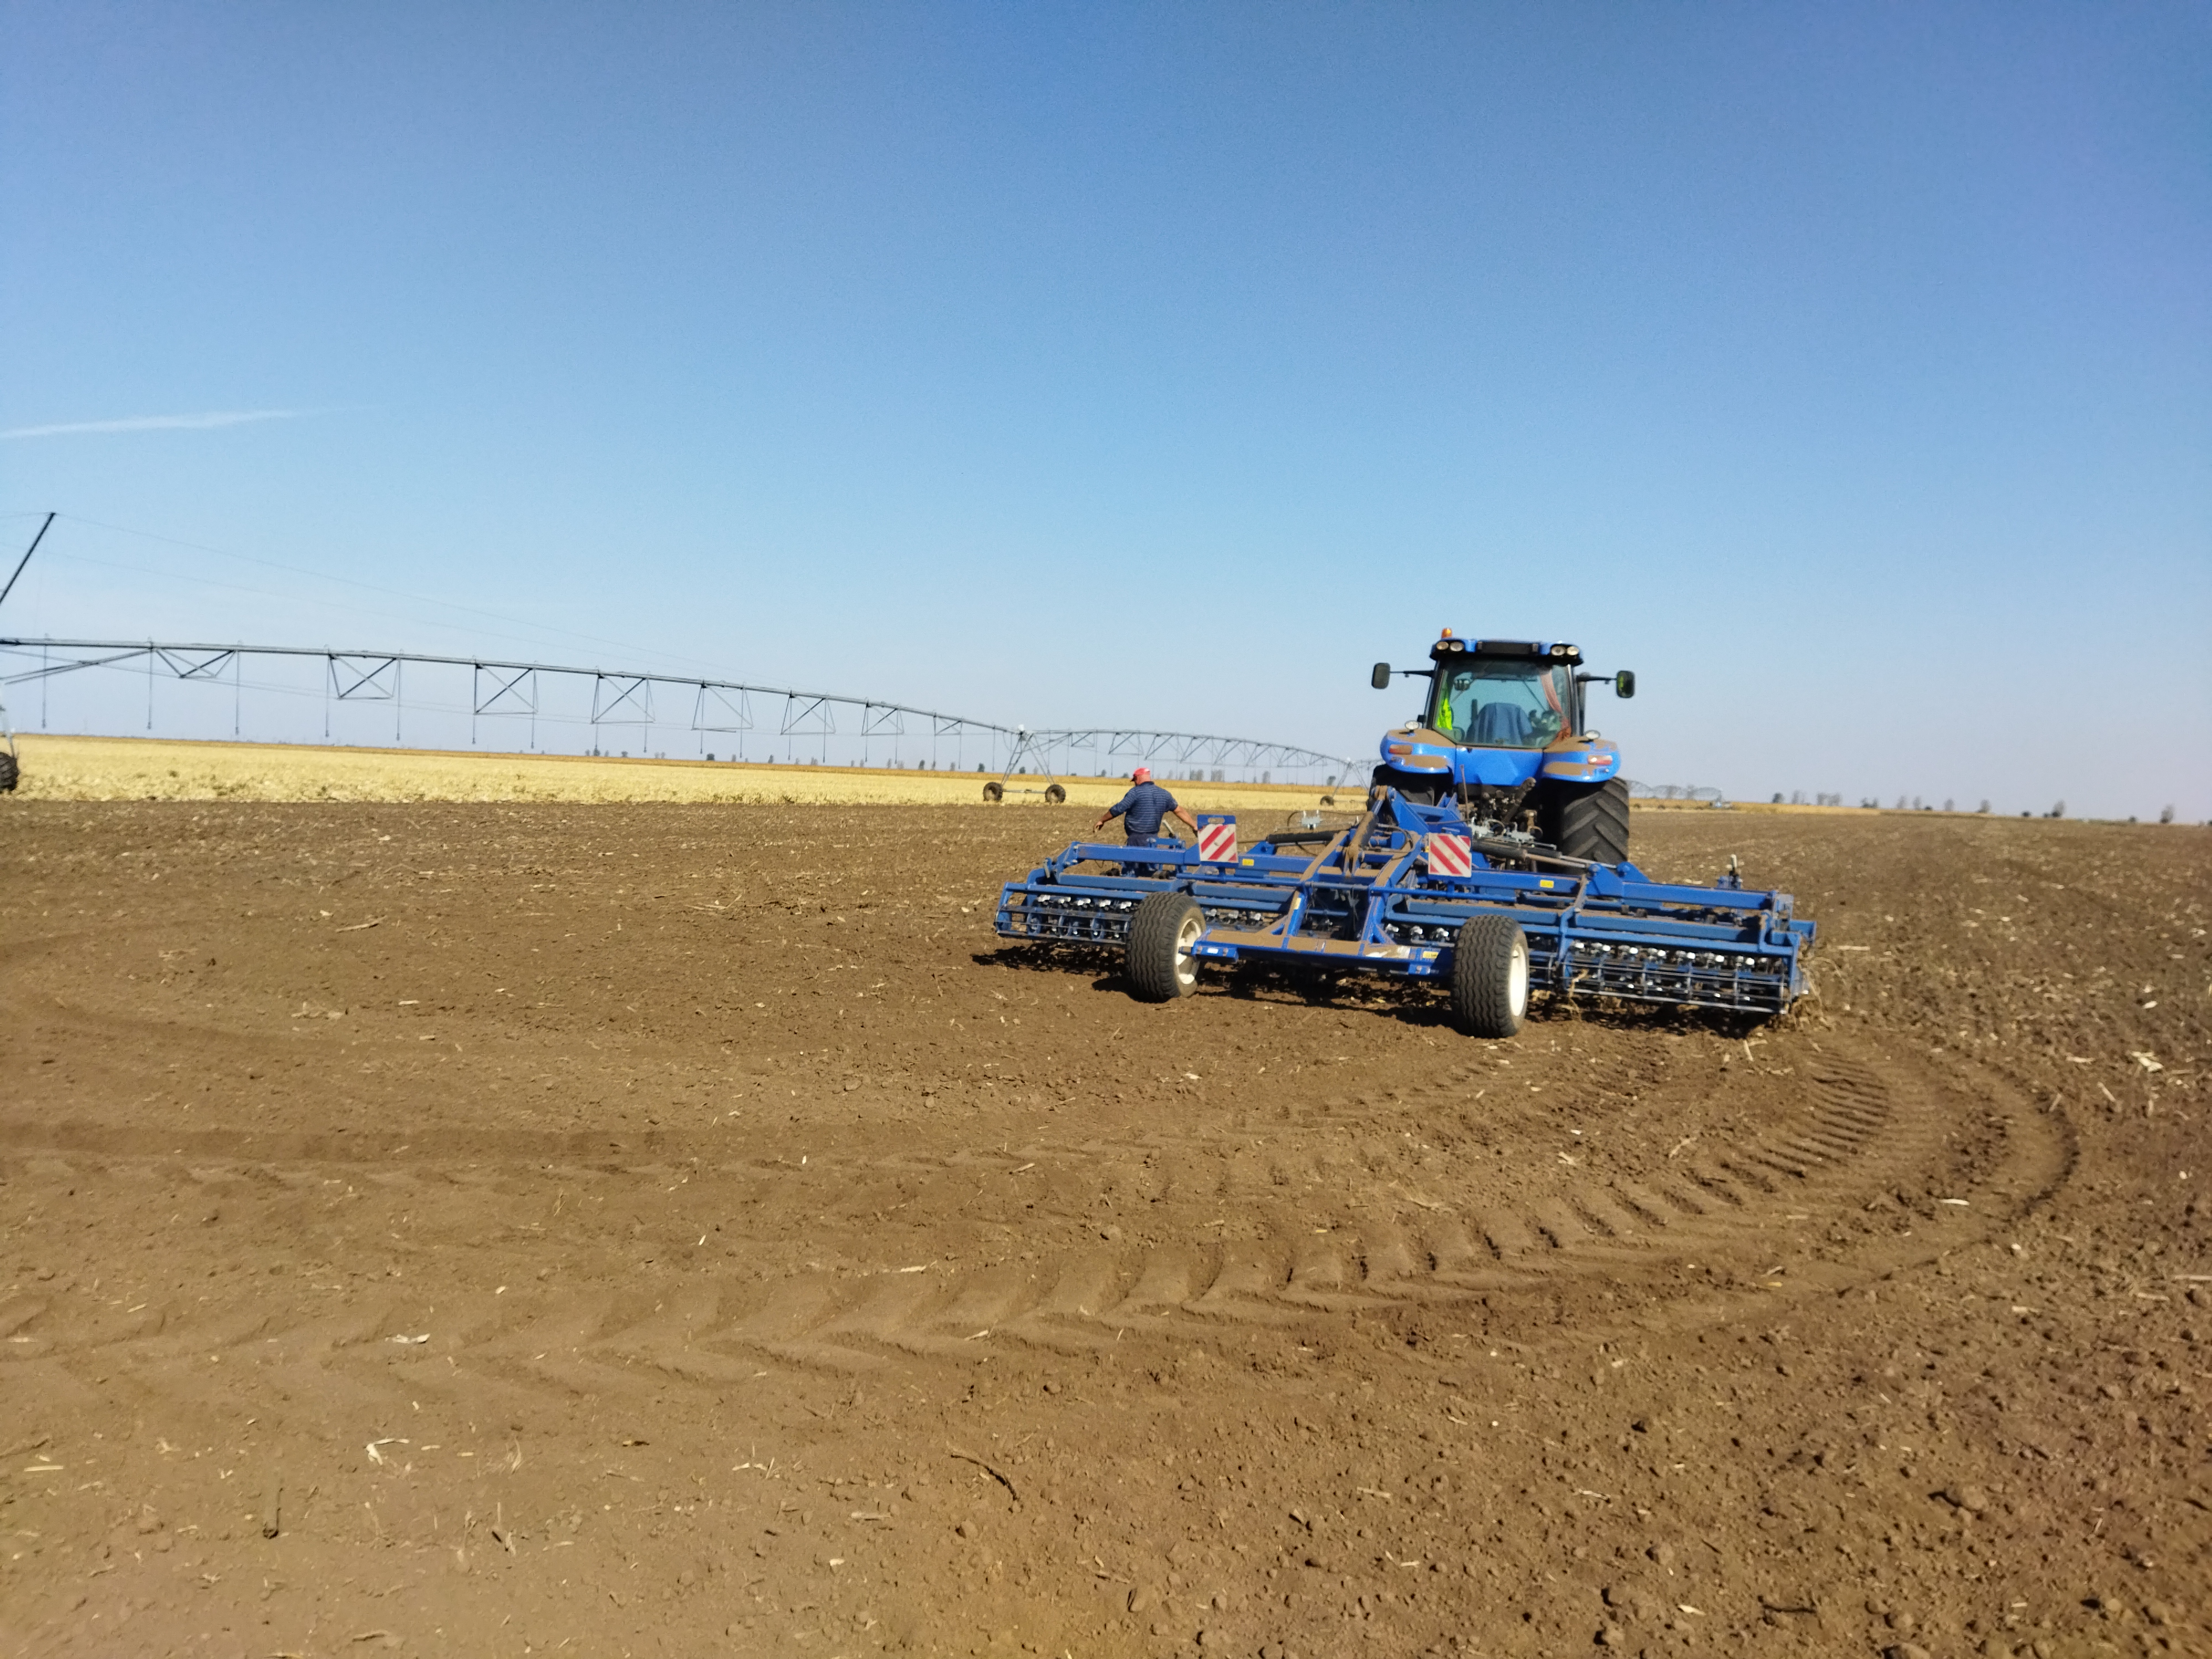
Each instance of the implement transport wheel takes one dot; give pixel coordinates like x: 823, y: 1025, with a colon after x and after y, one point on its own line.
x: 994, y: 791
x: 1589, y: 821
x: 1490, y: 977
x: 1158, y: 959
x: 1054, y: 795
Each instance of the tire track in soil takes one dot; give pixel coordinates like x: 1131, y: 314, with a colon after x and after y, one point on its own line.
x: 1865, y: 1130
x: 1875, y: 1132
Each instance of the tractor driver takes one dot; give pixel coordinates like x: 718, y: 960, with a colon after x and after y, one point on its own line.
x: 1455, y: 708
x: 1142, y: 809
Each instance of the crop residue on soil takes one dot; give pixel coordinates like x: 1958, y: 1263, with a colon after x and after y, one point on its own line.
x: 683, y: 1229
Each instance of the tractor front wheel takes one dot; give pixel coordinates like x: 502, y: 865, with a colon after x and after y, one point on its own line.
x: 1162, y: 934
x: 1490, y: 977
x: 1587, y: 821
x: 1421, y: 791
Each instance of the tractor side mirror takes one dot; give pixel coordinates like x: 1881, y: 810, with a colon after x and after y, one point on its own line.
x: 1623, y: 684
x: 1380, y: 679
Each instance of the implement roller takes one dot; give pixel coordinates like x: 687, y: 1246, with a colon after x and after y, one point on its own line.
x: 1417, y: 891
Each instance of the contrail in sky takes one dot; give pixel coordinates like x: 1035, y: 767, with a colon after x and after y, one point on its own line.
x: 157, y: 423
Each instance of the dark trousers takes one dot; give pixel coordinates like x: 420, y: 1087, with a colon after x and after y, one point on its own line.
x: 1136, y: 840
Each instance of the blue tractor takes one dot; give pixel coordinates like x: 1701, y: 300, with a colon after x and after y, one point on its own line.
x: 1505, y: 736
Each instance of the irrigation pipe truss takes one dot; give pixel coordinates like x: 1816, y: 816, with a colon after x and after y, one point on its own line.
x: 623, y: 698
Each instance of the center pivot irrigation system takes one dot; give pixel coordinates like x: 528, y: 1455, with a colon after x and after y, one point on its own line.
x: 1050, y: 754
x: 881, y: 733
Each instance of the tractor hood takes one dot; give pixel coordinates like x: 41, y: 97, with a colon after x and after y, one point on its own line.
x: 1419, y: 750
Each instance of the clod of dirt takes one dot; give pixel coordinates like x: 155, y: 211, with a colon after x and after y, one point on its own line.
x: 1972, y: 1499
x: 1630, y: 1601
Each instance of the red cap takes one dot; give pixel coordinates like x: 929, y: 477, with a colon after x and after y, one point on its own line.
x: 1142, y: 775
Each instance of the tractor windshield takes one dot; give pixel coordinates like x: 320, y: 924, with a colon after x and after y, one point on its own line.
x: 1499, y: 703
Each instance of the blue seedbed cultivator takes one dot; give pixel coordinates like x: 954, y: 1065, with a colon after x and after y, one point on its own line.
x: 1418, y: 892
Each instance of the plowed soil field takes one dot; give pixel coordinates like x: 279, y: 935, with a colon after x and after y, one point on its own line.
x: 683, y: 1229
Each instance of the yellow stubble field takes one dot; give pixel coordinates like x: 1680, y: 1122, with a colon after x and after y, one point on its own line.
x: 144, y: 769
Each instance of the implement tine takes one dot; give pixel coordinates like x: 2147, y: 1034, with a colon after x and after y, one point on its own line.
x: 1346, y: 841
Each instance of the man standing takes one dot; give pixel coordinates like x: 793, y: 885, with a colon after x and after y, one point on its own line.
x: 1142, y: 809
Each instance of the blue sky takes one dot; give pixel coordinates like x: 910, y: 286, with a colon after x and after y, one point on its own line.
x: 1846, y: 371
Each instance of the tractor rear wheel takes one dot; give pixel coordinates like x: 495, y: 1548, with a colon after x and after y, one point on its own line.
x: 1490, y: 977
x: 1589, y: 821
x: 1158, y: 959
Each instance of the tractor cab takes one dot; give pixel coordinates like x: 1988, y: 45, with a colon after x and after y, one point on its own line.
x: 1493, y: 700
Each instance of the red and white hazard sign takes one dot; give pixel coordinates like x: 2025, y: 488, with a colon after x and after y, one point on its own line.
x: 1216, y: 843
x: 1451, y: 855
